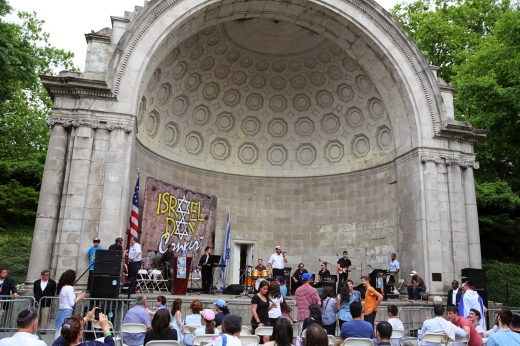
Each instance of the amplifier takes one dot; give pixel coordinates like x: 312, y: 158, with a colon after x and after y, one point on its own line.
x: 108, y: 268
x: 109, y: 256
x: 331, y: 278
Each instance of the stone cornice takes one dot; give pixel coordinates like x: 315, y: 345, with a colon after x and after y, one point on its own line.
x: 103, y: 35
x: 448, y: 161
x: 461, y: 130
x: 92, y: 123
x: 69, y: 84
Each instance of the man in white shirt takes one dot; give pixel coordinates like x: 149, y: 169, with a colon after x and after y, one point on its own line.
x: 134, y: 259
x: 231, y: 328
x: 27, y: 323
x: 277, y: 262
x: 391, y: 312
x: 44, y: 287
x: 393, y: 271
x: 439, y: 325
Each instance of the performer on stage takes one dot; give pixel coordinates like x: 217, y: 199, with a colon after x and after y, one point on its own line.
x: 324, y: 272
x: 277, y: 262
x: 343, y: 268
x: 207, y: 272
x: 166, y: 259
x: 260, y: 265
x: 297, y: 277
x: 394, y: 270
x: 134, y: 259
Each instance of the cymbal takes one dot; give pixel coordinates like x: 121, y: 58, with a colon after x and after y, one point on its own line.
x: 247, y: 266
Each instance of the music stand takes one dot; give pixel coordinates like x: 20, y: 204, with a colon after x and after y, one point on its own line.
x: 212, y: 261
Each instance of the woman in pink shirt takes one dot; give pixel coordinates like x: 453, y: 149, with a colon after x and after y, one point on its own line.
x: 304, y: 296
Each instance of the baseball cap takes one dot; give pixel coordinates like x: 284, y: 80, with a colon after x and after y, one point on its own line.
x: 413, y: 273
x: 281, y: 279
x: 437, y: 299
x: 208, y: 314
x: 306, y: 276
x: 220, y: 303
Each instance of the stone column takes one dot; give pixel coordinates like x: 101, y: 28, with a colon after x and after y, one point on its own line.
x: 49, y: 204
x: 475, y: 259
x: 457, y: 216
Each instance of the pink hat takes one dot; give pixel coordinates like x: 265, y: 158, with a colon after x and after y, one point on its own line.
x: 208, y: 314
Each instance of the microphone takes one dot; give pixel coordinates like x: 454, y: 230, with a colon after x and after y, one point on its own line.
x: 368, y: 265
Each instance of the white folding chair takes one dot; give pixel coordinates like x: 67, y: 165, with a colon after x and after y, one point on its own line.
x: 397, y: 334
x: 132, y: 328
x: 97, y: 326
x: 332, y: 340
x: 249, y: 339
x: 143, y: 281
x: 358, y: 342
x: 219, y: 328
x: 407, y: 340
x: 244, y: 330
x: 464, y: 340
x: 190, y: 328
x: 203, y: 338
x: 434, y: 337
x: 264, y: 331
x: 163, y: 343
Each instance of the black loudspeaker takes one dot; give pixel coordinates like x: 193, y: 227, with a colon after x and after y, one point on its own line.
x: 233, y: 289
x: 473, y: 273
x: 104, y: 286
x: 107, y: 268
x: 331, y: 285
x: 109, y: 256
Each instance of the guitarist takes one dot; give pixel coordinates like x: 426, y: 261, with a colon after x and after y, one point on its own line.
x: 343, y: 268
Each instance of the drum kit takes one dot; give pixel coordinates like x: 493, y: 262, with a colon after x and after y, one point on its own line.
x: 254, y: 279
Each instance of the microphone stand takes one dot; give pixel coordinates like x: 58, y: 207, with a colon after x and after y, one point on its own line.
x: 75, y: 282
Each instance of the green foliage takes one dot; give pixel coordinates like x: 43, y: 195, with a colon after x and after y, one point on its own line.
x: 18, y: 204
x: 27, y: 173
x: 489, y: 98
x: 496, y: 197
x: 15, y: 249
x: 498, y: 275
x: 447, y: 31
x: 25, y: 53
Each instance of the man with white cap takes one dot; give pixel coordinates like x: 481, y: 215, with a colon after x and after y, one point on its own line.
x: 277, y: 262
x: 415, y: 287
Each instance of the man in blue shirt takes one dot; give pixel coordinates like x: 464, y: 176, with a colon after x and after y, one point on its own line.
x: 357, y: 328
x: 503, y: 335
x: 283, y: 288
x: 91, y: 254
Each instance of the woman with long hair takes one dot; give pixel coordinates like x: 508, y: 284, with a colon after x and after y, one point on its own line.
x: 328, y: 310
x: 177, y: 318
x: 275, y: 302
x: 287, y: 312
x: 346, y: 296
x: 315, y: 336
x: 161, y: 328
x: 314, y: 316
x: 260, y: 308
x: 72, y: 331
x: 208, y: 323
x: 282, y: 333
x: 67, y: 298
x: 222, y: 311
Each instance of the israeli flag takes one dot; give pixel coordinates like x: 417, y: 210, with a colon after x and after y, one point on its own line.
x: 225, y: 257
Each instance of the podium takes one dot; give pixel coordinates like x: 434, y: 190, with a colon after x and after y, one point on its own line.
x: 179, y: 275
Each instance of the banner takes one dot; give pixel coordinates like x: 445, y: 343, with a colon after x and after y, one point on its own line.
x: 177, y: 216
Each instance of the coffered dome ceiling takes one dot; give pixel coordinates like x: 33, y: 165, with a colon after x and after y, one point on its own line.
x: 265, y: 98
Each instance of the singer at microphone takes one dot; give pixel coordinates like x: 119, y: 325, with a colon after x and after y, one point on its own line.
x: 277, y: 262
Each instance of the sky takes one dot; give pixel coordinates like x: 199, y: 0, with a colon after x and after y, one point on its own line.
x: 68, y: 20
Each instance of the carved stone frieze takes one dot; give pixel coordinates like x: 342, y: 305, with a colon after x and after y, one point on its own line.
x: 448, y: 161
x: 92, y: 123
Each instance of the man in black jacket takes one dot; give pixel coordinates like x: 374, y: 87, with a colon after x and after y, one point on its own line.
x: 166, y: 260
x: 7, y: 287
x: 44, y: 287
x: 455, y: 291
x: 207, y: 270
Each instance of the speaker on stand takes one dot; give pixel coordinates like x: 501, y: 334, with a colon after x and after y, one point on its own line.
x: 106, y: 279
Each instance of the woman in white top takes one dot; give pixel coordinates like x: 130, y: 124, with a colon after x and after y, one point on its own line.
x: 275, y: 302
x: 196, y: 308
x: 208, y: 323
x: 67, y: 298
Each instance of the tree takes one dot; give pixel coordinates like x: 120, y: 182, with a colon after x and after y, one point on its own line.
x: 447, y: 31
x: 25, y: 53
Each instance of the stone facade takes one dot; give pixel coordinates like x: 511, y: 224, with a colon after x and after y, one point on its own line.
x: 320, y: 124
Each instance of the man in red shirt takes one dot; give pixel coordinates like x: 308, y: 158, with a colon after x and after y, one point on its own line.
x: 474, y: 337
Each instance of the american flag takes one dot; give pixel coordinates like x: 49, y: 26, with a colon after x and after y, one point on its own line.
x: 134, y: 216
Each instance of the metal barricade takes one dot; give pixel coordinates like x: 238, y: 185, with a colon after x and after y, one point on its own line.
x: 9, y: 310
x: 414, y: 316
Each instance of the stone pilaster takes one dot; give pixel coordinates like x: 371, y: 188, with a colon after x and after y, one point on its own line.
x: 49, y: 204
x: 475, y: 259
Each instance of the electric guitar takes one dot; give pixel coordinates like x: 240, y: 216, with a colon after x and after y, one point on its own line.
x: 344, y: 270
